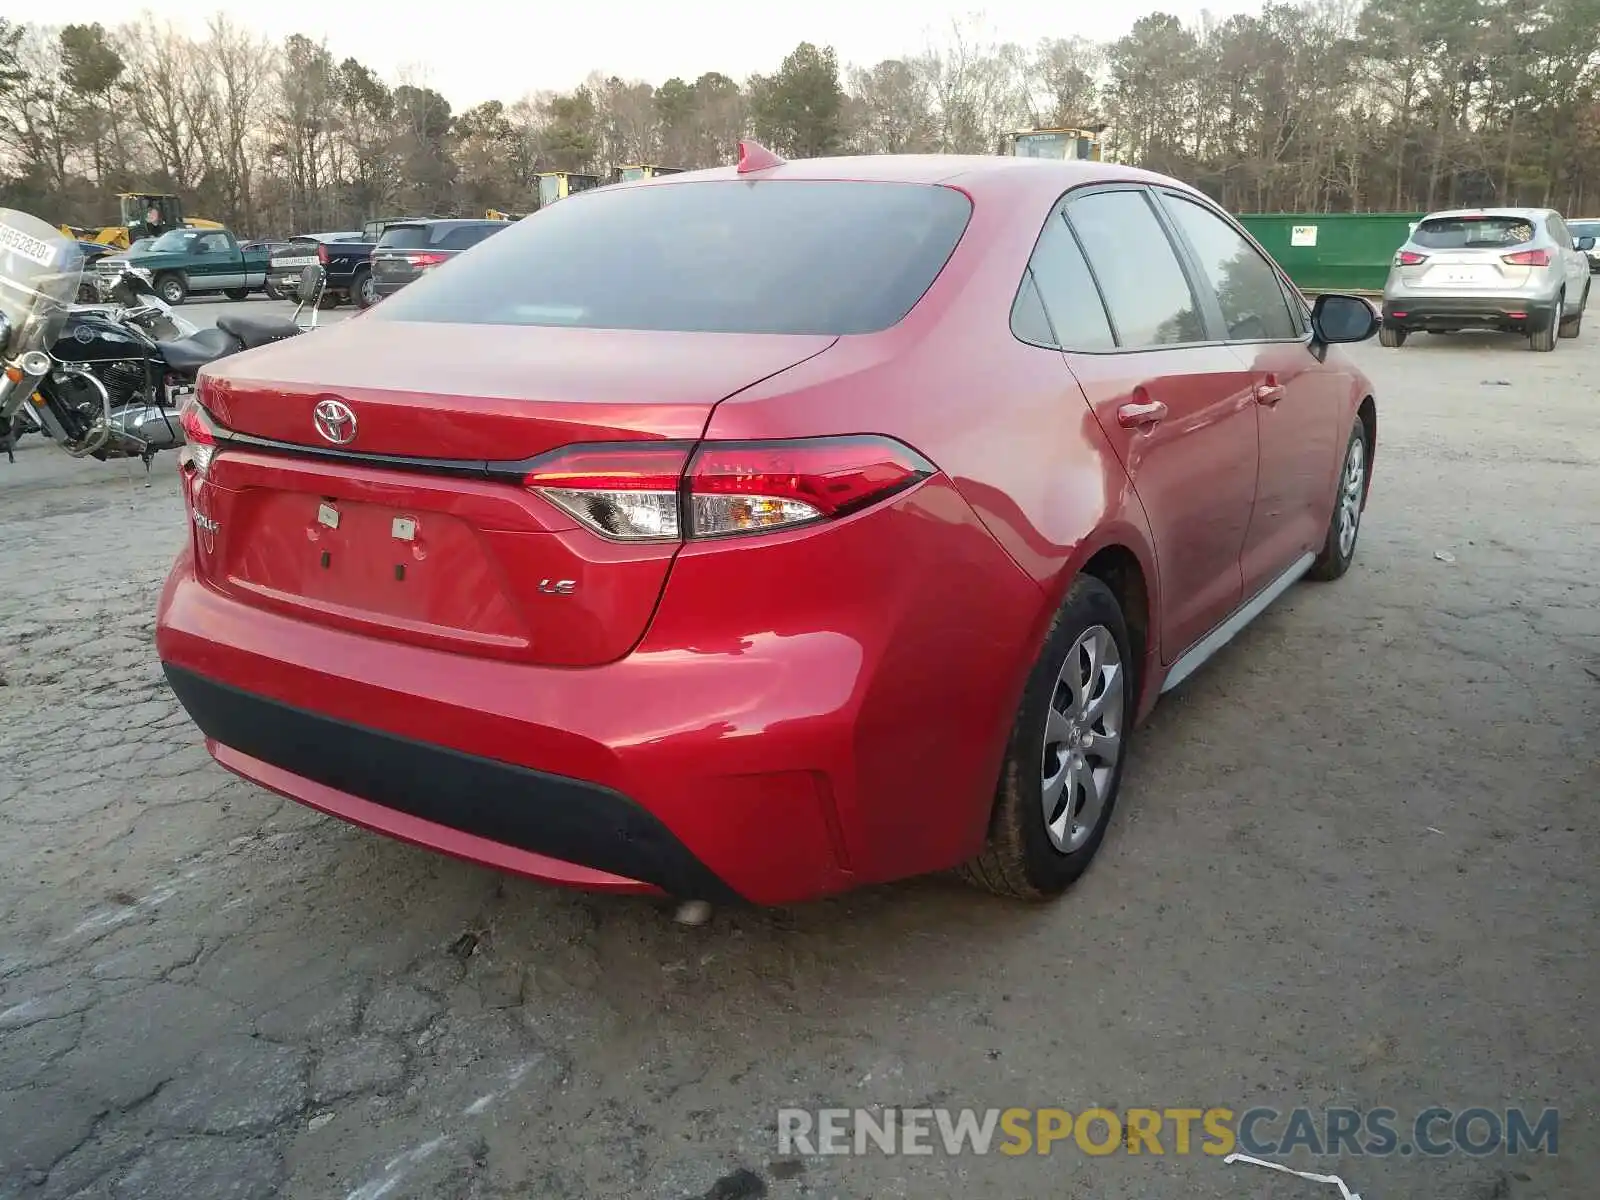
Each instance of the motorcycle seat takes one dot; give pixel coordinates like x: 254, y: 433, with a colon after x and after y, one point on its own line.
x: 189, y: 354
x: 257, y: 331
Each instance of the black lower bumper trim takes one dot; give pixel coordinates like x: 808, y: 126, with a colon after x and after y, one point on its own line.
x: 563, y: 818
x: 1466, y: 313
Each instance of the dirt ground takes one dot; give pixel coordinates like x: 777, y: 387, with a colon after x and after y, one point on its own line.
x: 1355, y: 863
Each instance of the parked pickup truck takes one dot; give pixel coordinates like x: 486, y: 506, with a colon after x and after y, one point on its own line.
x: 347, y: 257
x: 186, y: 262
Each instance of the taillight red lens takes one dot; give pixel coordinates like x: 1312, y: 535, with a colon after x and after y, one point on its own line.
x: 199, y: 438
x: 1409, y: 258
x: 425, y: 260
x: 322, y: 254
x: 642, y: 492
x: 745, y: 487
x: 1527, y: 258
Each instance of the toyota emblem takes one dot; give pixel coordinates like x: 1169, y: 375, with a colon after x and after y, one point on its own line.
x: 335, y: 421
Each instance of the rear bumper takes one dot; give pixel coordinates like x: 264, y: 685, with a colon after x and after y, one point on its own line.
x: 475, y: 807
x: 388, y: 287
x: 773, y: 737
x: 1464, y: 312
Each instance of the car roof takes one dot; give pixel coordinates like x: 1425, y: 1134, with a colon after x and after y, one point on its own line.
x: 976, y: 174
x: 446, y: 221
x: 1525, y: 213
x: 317, y: 237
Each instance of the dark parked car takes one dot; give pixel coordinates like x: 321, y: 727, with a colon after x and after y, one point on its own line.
x: 407, y: 251
x: 768, y: 530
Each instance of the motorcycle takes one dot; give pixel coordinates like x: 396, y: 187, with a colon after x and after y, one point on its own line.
x: 107, y: 380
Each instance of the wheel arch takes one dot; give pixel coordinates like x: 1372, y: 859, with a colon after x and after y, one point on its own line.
x: 1367, y: 414
x: 1128, y: 568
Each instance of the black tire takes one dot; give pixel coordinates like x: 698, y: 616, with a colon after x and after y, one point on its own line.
x: 236, y: 293
x: 330, y: 300
x: 271, y: 289
x: 172, y: 288
x: 363, y: 290
x: 1334, y: 559
x: 1391, y: 336
x: 1543, y: 339
x: 1573, y: 325
x: 1021, y: 860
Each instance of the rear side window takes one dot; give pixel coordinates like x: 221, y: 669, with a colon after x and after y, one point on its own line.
x: 1144, y: 285
x: 1068, y: 290
x: 1247, y: 287
x: 1472, y: 233
x: 404, y: 237
x: 778, y: 256
x: 459, y: 237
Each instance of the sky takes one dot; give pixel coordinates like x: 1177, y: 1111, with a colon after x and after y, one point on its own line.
x: 498, y: 50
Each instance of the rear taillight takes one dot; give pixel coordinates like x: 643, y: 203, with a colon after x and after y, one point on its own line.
x: 425, y: 260
x: 1409, y: 258
x: 658, y: 492
x: 1527, y: 258
x: 322, y: 254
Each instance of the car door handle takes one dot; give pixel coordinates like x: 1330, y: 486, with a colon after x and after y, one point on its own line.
x: 1137, y: 416
x: 1269, y: 393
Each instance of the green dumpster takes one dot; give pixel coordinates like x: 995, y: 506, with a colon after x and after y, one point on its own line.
x: 1332, y: 252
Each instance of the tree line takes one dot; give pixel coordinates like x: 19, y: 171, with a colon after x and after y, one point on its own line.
x: 1320, y: 106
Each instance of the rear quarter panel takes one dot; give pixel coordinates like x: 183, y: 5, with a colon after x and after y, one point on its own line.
x: 1006, y: 421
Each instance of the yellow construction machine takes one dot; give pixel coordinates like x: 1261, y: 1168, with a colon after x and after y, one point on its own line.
x: 494, y: 214
x: 1057, y: 143
x: 136, y: 210
x: 637, y: 171
x: 558, y: 185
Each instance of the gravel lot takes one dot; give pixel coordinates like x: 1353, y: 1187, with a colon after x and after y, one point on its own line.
x: 1354, y: 864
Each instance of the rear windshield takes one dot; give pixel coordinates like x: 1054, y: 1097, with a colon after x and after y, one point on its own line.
x: 1473, y: 233
x: 781, y: 256
x: 1584, y: 228
x: 437, y: 237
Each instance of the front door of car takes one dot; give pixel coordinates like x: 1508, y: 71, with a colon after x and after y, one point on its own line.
x: 1178, y: 412
x: 1299, y: 402
x: 217, y: 261
x: 1575, y: 261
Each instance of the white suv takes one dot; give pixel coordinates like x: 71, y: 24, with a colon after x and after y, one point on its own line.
x: 1516, y: 269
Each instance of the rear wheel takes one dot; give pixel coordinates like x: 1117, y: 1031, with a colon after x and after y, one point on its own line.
x: 1544, y: 338
x: 237, y: 293
x: 272, y: 291
x: 1571, y: 326
x: 1063, y: 766
x: 1391, y: 336
x: 364, y: 290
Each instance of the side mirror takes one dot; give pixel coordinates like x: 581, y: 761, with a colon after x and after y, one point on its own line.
x: 1339, y: 318
x: 1584, y: 243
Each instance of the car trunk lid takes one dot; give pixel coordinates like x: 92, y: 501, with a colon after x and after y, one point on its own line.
x: 414, y: 526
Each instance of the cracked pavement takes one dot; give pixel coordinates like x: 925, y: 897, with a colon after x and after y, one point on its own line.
x: 1354, y: 863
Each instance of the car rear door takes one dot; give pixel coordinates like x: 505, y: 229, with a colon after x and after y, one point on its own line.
x: 1175, y: 404
x: 1300, y: 403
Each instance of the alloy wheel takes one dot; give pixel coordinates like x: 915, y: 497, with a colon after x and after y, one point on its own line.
x: 1355, y: 478
x: 1082, y: 738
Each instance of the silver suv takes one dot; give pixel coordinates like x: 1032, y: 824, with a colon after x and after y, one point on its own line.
x: 1516, y: 269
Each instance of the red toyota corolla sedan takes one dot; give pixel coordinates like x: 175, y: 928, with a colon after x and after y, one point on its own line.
x: 765, y: 531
